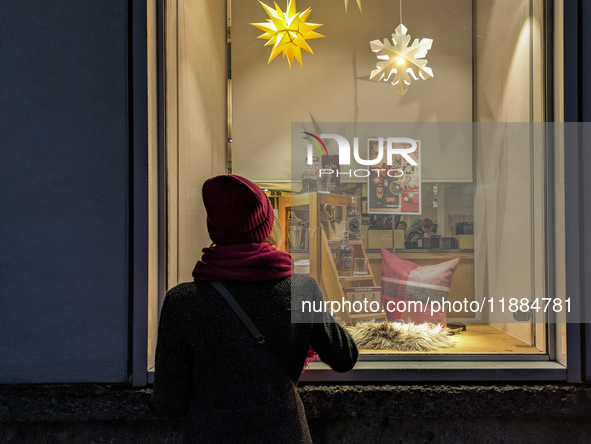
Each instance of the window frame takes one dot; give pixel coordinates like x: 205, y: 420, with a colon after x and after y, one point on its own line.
x: 432, y: 368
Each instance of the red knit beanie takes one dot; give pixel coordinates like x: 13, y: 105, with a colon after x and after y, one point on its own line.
x: 238, y: 211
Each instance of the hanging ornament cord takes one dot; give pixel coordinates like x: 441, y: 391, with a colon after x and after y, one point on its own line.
x: 400, y: 11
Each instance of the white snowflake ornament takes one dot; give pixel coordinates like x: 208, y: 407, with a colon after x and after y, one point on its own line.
x: 401, y: 60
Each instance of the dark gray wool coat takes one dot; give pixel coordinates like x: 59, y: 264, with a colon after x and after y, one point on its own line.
x: 229, y: 388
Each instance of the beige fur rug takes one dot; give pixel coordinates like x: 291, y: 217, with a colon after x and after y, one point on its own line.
x: 400, y: 336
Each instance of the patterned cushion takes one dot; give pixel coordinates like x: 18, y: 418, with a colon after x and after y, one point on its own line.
x: 404, y: 281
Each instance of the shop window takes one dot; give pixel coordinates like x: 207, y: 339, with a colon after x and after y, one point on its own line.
x: 227, y: 109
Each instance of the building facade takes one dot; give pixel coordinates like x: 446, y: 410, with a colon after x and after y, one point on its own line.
x: 112, y: 115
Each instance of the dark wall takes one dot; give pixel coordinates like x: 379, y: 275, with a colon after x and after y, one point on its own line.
x: 585, y: 70
x: 63, y: 191
x: 585, y: 62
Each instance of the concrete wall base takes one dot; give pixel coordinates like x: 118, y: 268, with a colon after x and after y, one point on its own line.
x: 92, y: 413
x: 386, y: 430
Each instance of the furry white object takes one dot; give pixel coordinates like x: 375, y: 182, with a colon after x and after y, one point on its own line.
x: 400, y: 336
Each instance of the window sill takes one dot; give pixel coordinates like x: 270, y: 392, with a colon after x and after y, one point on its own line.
x: 429, y: 371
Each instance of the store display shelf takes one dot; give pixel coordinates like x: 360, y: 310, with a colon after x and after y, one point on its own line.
x: 300, y: 256
x: 367, y: 277
x: 375, y: 254
x: 351, y: 242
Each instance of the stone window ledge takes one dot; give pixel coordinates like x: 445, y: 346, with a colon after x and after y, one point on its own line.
x: 103, y: 402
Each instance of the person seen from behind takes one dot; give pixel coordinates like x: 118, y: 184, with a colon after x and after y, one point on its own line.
x: 428, y: 227
x: 415, y: 231
x: 401, y: 225
x: 230, y: 387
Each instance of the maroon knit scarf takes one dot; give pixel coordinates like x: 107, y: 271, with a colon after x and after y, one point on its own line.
x: 243, y: 262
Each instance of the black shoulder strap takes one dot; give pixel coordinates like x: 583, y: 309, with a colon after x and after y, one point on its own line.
x: 239, y: 311
x: 233, y: 303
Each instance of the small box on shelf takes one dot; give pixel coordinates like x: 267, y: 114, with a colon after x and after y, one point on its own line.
x: 377, y: 239
x: 398, y: 238
x: 465, y: 241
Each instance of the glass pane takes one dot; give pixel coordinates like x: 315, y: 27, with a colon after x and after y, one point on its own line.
x: 480, y: 195
x: 487, y: 195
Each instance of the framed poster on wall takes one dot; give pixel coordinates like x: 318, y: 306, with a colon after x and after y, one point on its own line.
x: 394, y: 188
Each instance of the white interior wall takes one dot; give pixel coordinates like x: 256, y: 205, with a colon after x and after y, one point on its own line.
x: 334, y: 85
x: 508, y: 200
x: 197, y: 103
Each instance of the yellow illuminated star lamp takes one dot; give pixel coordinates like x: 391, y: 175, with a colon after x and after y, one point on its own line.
x: 288, y: 31
x: 401, y: 60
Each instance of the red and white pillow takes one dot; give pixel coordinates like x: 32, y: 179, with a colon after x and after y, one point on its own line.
x: 404, y: 281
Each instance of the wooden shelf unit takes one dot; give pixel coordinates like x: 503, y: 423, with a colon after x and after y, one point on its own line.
x: 321, y: 256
